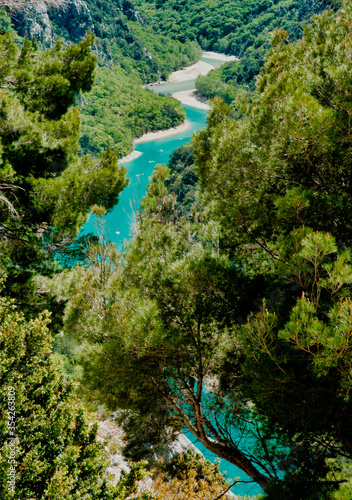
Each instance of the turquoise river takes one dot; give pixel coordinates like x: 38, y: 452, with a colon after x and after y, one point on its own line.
x: 119, y: 222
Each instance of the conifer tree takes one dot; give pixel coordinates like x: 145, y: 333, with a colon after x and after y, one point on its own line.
x: 46, y: 188
x: 47, y: 449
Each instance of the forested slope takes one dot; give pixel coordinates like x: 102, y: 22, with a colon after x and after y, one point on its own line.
x: 234, y: 314
x: 229, y: 26
x: 118, y: 110
x: 48, y: 445
x: 234, y: 27
x: 228, y: 314
x: 129, y: 53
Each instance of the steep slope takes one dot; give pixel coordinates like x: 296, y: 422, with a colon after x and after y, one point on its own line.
x: 229, y: 26
x: 234, y: 27
x: 130, y: 53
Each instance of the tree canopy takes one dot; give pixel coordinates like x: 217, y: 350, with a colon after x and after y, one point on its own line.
x: 235, y: 321
x: 46, y: 188
x: 50, y: 446
x: 229, y: 313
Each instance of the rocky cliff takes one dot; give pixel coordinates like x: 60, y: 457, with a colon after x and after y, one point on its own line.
x: 70, y: 21
x: 34, y: 22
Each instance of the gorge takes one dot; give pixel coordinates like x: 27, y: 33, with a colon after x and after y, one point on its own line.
x: 153, y: 150
x: 228, y: 310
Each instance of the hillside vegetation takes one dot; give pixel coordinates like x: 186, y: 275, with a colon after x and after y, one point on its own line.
x: 118, y: 110
x: 235, y: 27
x: 48, y: 448
x: 230, y: 26
x: 246, y: 295
x: 229, y: 312
x: 130, y: 53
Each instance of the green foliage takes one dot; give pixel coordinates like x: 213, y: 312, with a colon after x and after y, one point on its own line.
x: 45, y: 188
x: 123, y: 36
x: 5, y: 22
x: 246, y: 300
x: 250, y: 40
x: 182, y: 180
x: 124, y: 32
x: 166, y: 53
x: 48, y: 84
x: 172, y: 191
x: 56, y: 453
x: 103, y: 180
x: 279, y: 186
x: 89, y: 292
x: 211, y: 86
x: 130, y: 53
x: 296, y: 137
x: 118, y: 110
x: 188, y: 474
x: 163, y: 315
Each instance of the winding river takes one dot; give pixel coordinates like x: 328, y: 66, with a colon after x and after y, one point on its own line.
x: 120, y: 220
x: 154, y: 152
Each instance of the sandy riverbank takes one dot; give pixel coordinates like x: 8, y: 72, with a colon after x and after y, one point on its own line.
x: 187, y: 97
x: 199, y: 68
x: 219, y: 57
x: 151, y: 136
x: 190, y: 73
x: 132, y: 156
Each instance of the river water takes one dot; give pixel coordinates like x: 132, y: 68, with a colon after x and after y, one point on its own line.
x: 157, y: 151
x: 119, y: 221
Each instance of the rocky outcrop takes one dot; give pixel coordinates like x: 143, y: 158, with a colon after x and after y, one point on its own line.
x: 180, y: 445
x: 112, y: 436
x: 71, y: 21
x: 133, y: 15
x: 34, y: 22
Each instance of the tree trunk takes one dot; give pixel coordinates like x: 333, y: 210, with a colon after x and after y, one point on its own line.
x: 236, y: 457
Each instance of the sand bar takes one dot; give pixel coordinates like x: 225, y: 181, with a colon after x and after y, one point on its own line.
x: 189, y: 98
x: 190, y: 73
x: 219, y: 57
x: 132, y: 156
x: 199, y: 68
x: 150, y: 136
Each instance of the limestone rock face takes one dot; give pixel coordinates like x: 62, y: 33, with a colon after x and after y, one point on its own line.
x: 113, y: 438
x: 133, y: 15
x: 180, y: 445
x: 74, y: 19
x: 70, y: 21
x: 111, y: 435
x: 34, y: 22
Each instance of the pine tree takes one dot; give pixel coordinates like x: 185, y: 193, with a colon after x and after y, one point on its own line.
x: 46, y: 445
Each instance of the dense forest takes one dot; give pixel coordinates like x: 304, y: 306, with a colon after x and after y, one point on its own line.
x: 118, y: 110
x: 229, y: 312
x: 130, y: 53
x: 234, y: 27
